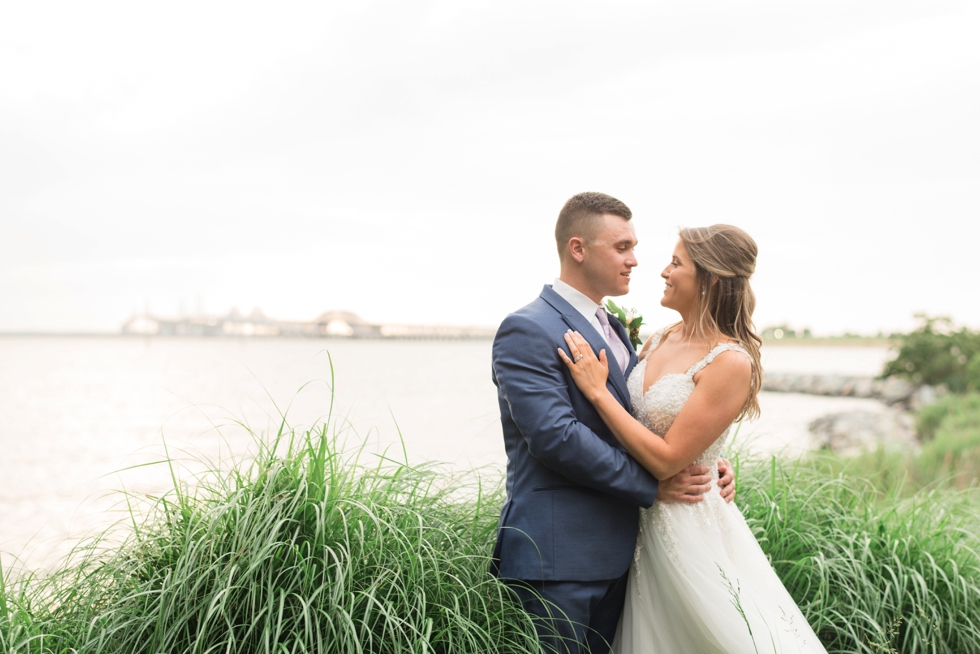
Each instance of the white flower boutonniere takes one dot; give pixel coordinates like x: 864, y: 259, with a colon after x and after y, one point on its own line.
x: 630, y: 319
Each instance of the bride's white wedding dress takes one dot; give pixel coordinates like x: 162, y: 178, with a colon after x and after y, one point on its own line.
x: 693, y: 562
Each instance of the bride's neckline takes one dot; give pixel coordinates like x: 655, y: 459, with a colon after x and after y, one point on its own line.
x: 687, y: 373
x: 662, y: 377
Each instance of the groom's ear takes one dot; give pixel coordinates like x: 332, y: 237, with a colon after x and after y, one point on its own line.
x: 576, y: 248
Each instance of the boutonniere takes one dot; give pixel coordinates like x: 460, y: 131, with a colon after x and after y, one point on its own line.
x: 630, y: 319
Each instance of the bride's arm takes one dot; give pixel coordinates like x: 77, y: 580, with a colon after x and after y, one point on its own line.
x: 717, y: 400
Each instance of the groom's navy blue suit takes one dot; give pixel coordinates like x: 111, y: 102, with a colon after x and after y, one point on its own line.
x: 568, y: 528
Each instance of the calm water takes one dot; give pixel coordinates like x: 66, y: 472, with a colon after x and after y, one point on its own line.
x: 75, y: 410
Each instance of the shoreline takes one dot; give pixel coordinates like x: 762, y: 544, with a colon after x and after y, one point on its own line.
x: 239, y: 337
x: 833, y: 342
x: 855, y: 342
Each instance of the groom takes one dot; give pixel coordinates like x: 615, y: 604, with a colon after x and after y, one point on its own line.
x: 568, y: 529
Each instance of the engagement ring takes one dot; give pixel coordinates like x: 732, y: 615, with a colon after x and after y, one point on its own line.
x: 575, y: 360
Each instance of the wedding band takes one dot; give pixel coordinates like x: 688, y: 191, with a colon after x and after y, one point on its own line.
x: 575, y: 360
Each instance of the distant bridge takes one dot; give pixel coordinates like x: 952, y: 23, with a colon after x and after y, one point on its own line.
x: 331, y: 324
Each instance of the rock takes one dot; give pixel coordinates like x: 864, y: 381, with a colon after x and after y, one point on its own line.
x: 892, y: 391
x: 828, y: 385
x: 851, y: 432
x: 774, y: 382
x: 863, y: 387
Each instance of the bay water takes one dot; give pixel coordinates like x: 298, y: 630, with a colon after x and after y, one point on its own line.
x: 85, y: 415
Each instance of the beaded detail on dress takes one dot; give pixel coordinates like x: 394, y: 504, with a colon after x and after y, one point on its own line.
x: 658, y: 407
x: 656, y: 410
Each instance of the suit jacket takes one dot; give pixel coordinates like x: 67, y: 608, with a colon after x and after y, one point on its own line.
x: 572, y: 491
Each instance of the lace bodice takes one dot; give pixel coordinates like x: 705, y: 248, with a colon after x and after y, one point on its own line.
x: 659, y: 406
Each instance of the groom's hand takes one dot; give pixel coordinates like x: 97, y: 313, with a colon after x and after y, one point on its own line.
x: 689, y: 485
x: 726, y: 479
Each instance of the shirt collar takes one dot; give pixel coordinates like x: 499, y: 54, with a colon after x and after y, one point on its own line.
x: 579, y: 300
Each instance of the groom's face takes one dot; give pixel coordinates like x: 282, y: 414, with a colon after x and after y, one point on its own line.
x: 609, y: 259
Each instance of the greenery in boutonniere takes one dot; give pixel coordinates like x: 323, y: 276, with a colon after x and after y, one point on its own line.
x: 630, y: 319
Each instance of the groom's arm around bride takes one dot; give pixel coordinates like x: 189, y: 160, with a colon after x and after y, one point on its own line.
x: 568, y: 528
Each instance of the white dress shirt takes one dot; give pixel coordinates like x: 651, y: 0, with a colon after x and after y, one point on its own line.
x: 581, y: 303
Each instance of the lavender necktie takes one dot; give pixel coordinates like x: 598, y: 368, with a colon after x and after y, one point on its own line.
x: 616, y: 346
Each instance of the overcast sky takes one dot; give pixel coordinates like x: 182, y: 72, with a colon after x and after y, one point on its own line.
x: 407, y: 160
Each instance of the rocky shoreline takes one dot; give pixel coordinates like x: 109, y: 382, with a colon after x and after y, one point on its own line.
x: 851, y: 432
x: 892, y: 391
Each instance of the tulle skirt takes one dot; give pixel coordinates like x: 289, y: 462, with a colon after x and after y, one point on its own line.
x: 701, y: 584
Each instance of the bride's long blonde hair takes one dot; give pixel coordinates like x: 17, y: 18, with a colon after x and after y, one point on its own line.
x: 724, y: 257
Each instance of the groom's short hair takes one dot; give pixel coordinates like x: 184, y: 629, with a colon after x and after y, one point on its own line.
x: 582, y: 216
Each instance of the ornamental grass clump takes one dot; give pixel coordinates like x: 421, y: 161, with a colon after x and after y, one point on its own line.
x: 306, y: 547
x: 871, y: 572
x: 950, y: 431
x: 302, y: 549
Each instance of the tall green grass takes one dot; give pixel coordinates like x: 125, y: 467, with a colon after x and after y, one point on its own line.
x: 302, y: 549
x: 950, y: 430
x: 306, y: 547
x: 872, y: 572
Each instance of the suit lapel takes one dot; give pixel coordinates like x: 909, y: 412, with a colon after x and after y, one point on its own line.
x: 577, y: 322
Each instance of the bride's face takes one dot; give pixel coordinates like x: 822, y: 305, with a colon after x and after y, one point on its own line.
x: 681, y: 277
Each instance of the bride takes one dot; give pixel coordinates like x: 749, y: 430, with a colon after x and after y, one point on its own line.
x: 699, y: 582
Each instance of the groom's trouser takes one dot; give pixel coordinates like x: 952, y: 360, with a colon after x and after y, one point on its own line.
x: 574, y: 617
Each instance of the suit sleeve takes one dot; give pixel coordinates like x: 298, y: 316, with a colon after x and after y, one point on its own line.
x: 533, y: 383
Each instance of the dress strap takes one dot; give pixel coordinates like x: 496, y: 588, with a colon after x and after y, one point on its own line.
x: 710, y: 356
x: 651, y: 343
x: 656, y: 337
